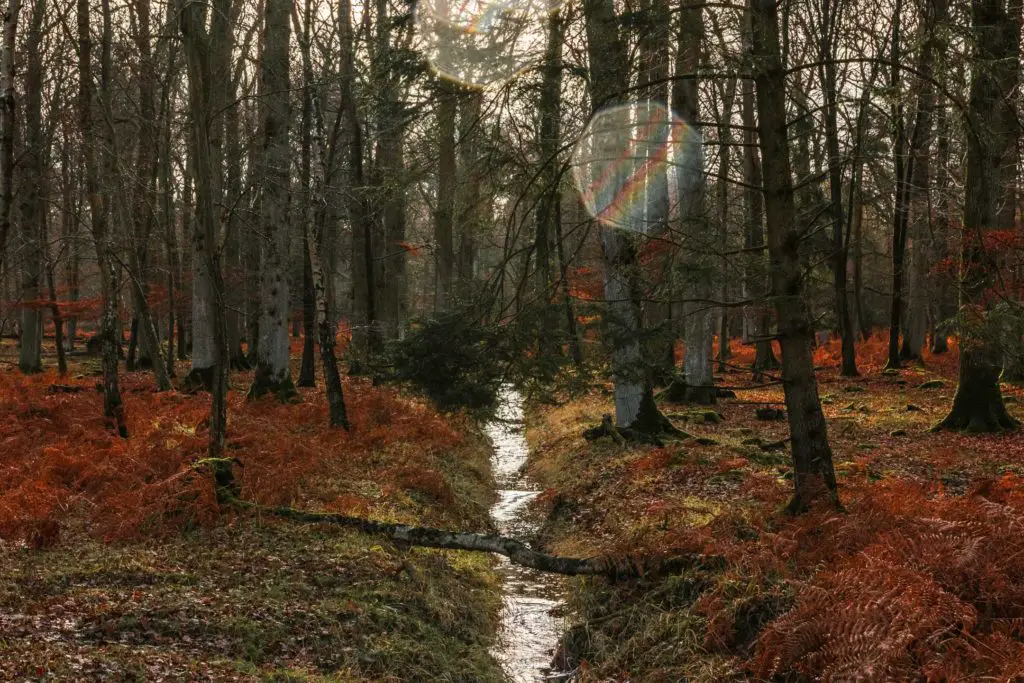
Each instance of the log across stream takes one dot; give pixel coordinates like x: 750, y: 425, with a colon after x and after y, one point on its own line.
x: 530, y: 629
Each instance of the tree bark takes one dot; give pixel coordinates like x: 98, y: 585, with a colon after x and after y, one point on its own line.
x: 622, y: 317
x: 919, y: 202
x: 549, y: 138
x: 307, y: 371
x: 943, y: 304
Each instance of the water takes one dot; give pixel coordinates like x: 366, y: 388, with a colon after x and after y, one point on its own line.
x: 529, y: 628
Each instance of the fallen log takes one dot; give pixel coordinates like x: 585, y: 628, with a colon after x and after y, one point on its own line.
x: 428, y: 537
x: 516, y: 551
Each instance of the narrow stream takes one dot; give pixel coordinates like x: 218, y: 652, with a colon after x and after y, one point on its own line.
x: 529, y: 630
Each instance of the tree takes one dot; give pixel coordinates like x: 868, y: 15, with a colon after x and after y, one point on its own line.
x: 110, y: 328
x: 314, y: 234
x: 991, y: 130
x: 33, y: 201
x: 272, y: 372
x: 919, y: 200
x: 8, y: 112
x: 201, y: 83
x: 693, y: 220
x: 755, y: 273
x: 814, y: 476
x: 831, y: 20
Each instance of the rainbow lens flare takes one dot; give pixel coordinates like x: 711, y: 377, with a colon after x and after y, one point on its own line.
x: 481, y: 44
x: 635, y: 163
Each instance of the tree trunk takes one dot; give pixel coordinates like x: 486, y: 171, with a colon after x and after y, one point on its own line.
x: 755, y: 273
x: 943, y: 307
x: 831, y: 18
x: 314, y: 231
x: 549, y: 139
x: 8, y: 115
x: 978, y: 403
x: 724, y: 164
x: 202, y: 81
x: 919, y: 202
x: 902, y: 184
x: 272, y: 372
x: 33, y: 202
x: 470, y: 209
x: 307, y: 371
x: 110, y: 329
x: 608, y: 66
x: 814, y: 476
x: 444, y: 219
x: 699, y: 319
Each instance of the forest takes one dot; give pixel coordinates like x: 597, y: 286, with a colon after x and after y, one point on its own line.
x: 511, y: 340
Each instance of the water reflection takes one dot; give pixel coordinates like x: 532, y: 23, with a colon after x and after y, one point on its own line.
x: 529, y: 628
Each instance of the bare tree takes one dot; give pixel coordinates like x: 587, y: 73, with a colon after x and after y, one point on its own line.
x: 812, y: 455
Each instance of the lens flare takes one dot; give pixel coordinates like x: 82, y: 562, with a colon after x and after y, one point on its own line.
x: 635, y: 164
x: 481, y: 44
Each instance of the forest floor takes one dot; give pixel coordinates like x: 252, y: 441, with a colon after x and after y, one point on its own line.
x: 921, y: 576
x: 116, y: 563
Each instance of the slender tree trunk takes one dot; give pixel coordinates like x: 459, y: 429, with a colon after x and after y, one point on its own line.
x: 755, y: 275
x: 314, y: 230
x: 307, y: 371
x: 70, y: 194
x: 8, y: 112
x: 699, y: 334
x: 812, y: 455
x: 33, y: 202
x: 919, y: 202
x: 548, y: 206
x: 58, y: 319
x: 608, y: 62
x: 943, y: 308
x: 470, y: 209
x: 110, y: 329
x: 831, y: 19
x: 900, y: 204
x: 444, y: 219
x: 724, y: 164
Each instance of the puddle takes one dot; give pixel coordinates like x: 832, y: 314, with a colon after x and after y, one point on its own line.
x: 529, y: 631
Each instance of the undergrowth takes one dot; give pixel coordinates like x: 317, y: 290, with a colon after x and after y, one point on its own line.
x: 116, y: 563
x: 921, y: 577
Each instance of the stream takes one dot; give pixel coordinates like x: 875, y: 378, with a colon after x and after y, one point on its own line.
x: 529, y: 629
